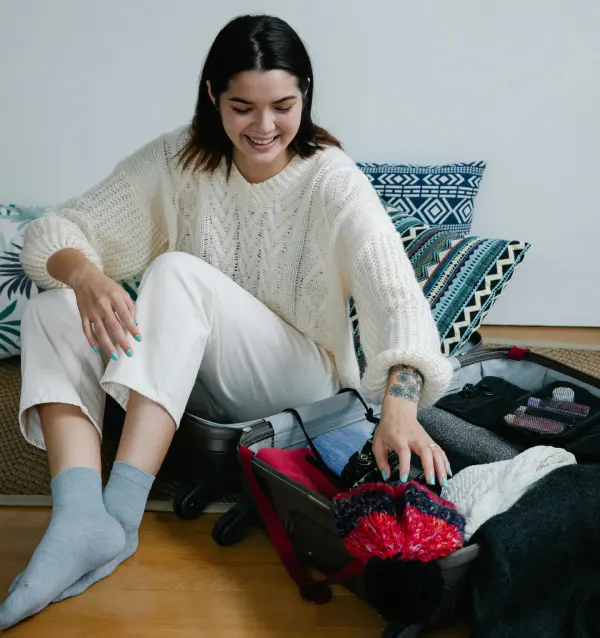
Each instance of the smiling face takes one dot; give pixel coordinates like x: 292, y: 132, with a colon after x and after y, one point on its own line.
x: 261, y: 112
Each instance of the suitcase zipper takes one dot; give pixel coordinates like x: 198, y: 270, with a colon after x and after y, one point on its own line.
x: 498, y: 353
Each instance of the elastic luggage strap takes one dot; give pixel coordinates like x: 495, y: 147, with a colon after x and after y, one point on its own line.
x: 315, y: 591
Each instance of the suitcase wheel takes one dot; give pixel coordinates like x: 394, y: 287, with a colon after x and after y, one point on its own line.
x: 191, y: 500
x: 231, y: 528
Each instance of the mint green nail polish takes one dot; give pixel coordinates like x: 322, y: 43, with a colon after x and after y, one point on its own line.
x: 95, y: 349
x: 450, y: 472
x: 404, y: 478
x: 129, y: 352
x: 138, y: 338
x: 114, y: 355
x: 432, y: 480
x: 384, y: 475
x: 136, y: 321
x: 445, y: 482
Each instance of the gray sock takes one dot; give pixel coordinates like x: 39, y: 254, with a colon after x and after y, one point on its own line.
x: 125, y: 498
x: 81, y: 537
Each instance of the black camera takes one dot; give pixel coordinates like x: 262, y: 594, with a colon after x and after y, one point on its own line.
x: 362, y: 468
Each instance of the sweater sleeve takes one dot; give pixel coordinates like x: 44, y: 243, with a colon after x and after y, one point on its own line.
x: 396, y: 323
x: 121, y: 224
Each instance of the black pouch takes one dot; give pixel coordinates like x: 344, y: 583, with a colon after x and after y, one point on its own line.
x: 484, y: 403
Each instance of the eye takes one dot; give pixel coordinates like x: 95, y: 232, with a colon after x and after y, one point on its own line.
x: 241, y: 111
x: 284, y: 109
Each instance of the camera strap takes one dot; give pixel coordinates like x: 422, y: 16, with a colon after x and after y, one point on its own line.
x: 317, y: 460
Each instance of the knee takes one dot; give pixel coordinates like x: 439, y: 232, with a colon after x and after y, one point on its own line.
x: 173, y: 266
x: 56, y: 302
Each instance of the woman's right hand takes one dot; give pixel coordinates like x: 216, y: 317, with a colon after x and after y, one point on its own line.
x: 107, y: 312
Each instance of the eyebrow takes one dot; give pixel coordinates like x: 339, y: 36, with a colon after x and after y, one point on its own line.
x: 241, y: 100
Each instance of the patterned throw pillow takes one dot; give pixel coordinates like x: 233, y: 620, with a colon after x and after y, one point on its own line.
x: 461, y: 276
x: 15, y: 286
x: 439, y: 196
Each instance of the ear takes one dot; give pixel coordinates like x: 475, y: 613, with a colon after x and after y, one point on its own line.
x: 210, y: 93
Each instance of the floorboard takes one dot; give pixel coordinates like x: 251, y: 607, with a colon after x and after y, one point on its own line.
x: 180, y: 584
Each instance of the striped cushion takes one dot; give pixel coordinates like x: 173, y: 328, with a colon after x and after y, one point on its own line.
x: 461, y: 276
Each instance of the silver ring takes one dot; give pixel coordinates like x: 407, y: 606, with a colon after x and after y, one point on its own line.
x: 433, y: 445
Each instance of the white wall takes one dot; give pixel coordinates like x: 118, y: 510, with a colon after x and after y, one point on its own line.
x: 516, y: 83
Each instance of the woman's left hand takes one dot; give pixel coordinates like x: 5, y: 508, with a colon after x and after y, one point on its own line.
x: 400, y: 431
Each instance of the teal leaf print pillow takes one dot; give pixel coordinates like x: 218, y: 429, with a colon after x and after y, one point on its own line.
x: 16, y: 289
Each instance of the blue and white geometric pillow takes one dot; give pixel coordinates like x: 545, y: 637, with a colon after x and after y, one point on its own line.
x: 437, y: 195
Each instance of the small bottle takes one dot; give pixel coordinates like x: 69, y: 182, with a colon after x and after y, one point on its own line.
x: 555, y: 405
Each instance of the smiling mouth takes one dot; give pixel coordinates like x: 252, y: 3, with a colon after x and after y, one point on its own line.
x: 262, y: 143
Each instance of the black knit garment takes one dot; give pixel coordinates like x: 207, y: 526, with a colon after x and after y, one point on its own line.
x: 538, y: 573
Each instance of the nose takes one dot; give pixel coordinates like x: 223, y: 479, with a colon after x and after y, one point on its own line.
x: 266, y: 121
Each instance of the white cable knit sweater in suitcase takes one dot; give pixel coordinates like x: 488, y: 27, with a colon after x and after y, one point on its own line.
x: 301, y: 242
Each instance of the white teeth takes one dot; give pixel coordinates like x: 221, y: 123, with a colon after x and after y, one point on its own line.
x: 261, y: 142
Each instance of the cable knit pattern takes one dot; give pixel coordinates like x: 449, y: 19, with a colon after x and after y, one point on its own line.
x: 482, y: 491
x: 301, y: 242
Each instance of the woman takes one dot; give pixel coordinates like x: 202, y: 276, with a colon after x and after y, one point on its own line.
x: 253, y: 229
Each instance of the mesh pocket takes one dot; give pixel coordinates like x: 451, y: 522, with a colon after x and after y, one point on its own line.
x: 553, y: 410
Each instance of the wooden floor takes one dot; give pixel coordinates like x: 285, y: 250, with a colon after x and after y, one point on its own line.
x: 180, y: 584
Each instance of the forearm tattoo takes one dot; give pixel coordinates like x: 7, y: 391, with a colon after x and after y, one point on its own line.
x: 407, y: 384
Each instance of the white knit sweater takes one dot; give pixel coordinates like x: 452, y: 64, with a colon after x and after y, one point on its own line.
x: 301, y: 242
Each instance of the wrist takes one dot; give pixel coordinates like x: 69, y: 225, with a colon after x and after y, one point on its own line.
x: 71, y: 267
x: 404, y: 388
x: 398, y: 406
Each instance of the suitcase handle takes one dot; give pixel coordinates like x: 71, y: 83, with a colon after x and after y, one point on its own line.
x: 312, y: 590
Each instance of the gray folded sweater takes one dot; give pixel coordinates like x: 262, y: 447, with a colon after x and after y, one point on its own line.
x: 465, y: 444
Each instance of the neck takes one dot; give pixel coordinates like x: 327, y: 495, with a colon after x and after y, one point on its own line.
x: 259, y: 172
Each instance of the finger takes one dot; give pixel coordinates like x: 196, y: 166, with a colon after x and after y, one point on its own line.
x: 447, y: 464
x: 89, y: 334
x: 127, y: 317
x: 104, y: 338
x: 427, y: 463
x: 114, y: 326
x: 403, y: 452
x: 439, y: 460
x: 380, y: 452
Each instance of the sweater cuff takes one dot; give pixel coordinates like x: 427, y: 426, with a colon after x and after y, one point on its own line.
x: 42, y: 240
x: 436, y: 371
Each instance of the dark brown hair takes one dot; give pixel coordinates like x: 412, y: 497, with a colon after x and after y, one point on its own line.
x: 247, y: 43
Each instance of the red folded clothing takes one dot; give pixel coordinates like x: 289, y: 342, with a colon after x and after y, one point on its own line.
x: 294, y: 464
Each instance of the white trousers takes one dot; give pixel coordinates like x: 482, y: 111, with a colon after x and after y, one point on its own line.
x: 207, y: 344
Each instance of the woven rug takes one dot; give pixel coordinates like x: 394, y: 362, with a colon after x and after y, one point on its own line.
x: 24, y: 476
x: 587, y: 361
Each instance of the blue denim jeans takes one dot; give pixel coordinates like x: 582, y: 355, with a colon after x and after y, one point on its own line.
x: 337, y: 446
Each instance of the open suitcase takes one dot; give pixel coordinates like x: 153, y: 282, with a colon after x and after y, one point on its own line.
x: 306, y: 517
x: 204, y: 457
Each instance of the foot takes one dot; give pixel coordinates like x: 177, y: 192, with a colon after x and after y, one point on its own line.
x: 125, y: 498
x: 81, y: 537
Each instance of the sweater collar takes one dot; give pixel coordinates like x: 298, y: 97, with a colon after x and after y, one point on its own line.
x: 277, y: 186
